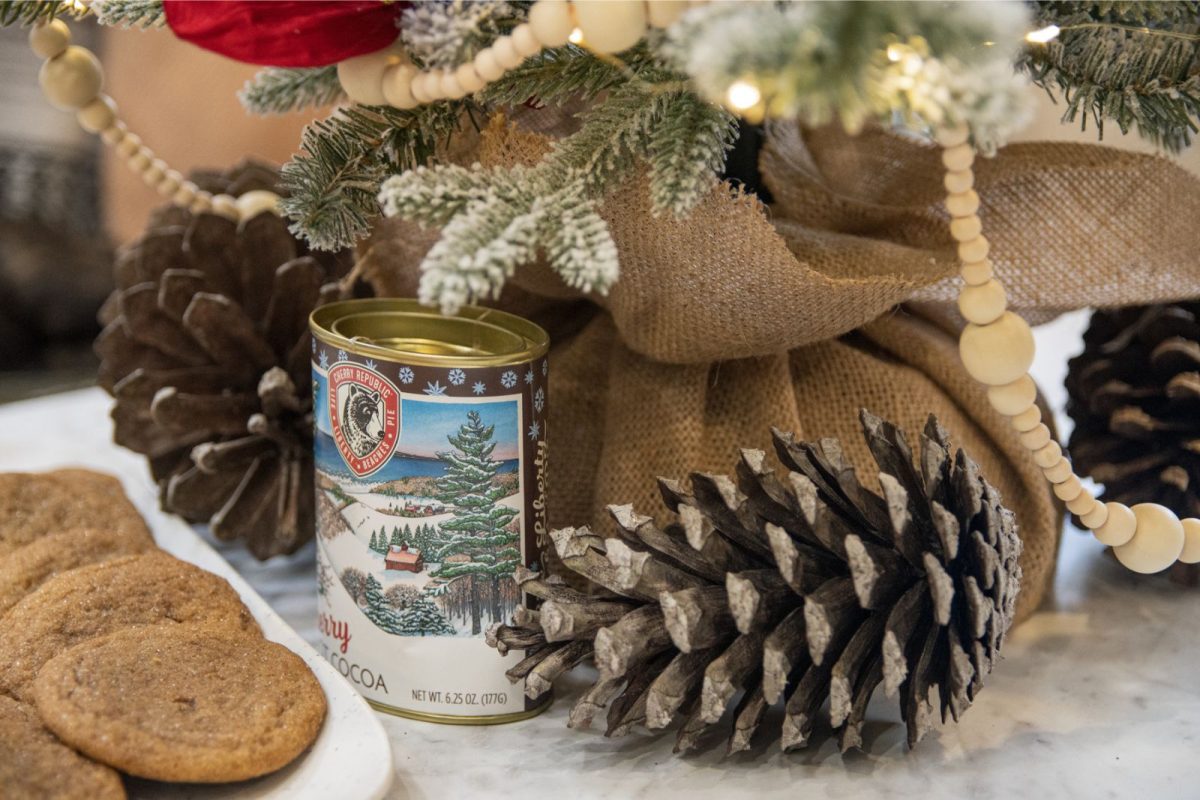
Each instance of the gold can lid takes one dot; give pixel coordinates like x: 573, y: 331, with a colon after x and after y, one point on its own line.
x: 405, y: 330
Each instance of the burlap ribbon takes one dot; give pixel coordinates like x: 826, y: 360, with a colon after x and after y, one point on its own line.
x: 742, y: 316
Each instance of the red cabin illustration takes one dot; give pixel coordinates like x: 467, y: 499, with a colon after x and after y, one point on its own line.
x: 400, y: 558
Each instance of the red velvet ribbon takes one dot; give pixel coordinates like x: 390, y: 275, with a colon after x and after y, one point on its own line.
x: 286, y: 33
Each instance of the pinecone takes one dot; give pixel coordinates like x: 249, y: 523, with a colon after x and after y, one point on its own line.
x: 206, y: 351
x: 1134, y: 393
x: 804, y: 586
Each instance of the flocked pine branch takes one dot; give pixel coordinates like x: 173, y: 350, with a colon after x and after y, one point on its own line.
x: 686, y: 153
x: 130, y: 13
x: 332, y: 184
x: 864, y: 61
x: 495, y: 220
x: 32, y: 12
x: 278, y: 90
x: 1135, y: 64
x: 444, y: 35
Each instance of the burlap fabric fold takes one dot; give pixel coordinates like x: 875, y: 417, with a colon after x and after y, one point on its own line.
x: 743, y: 316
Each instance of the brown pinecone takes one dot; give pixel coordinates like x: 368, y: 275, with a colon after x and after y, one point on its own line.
x: 1134, y: 394
x: 804, y: 587
x: 206, y: 352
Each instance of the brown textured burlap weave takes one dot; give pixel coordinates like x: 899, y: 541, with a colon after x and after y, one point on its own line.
x: 743, y: 317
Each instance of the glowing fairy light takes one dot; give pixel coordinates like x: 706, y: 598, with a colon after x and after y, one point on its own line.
x: 1043, y: 35
x: 742, y: 95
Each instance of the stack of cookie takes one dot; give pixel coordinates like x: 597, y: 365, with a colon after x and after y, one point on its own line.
x: 115, y: 656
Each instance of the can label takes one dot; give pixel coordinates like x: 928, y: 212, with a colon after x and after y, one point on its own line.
x: 430, y: 493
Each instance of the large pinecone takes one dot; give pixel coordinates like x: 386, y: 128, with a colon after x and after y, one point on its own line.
x: 206, y: 351
x: 1134, y: 393
x: 804, y: 586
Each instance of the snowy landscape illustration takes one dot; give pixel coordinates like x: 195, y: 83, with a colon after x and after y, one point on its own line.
x: 427, y: 545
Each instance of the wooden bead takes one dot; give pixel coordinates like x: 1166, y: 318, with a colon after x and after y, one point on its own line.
x: 1037, y: 438
x: 1061, y: 470
x: 506, y: 53
x: 978, y: 273
x: 203, y: 202
x: 362, y: 76
x: 422, y: 88
x: 1028, y: 419
x: 952, y: 136
x: 610, y: 26
x: 154, y: 172
x: 1157, y: 540
x: 1082, y: 504
x: 225, y: 206
x: 72, y: 79
x: 50, y: 39
x: 469, y: 78
x: 982, y: 304
x: 966, y: 229
x: 1068, y: 490
x: 998, y: 353
x: 963, y: 204
x: 959, y: 182
x: 129, y: 145
x: 397, y: 86
x: 523, y: 39
x: 974, y: 250
x: 1013, y: 398
x: 550, y: 21
x: 1049, y: 456
x: 1096, y: 517
x: 450, y: 87
x: 97, y: 115
x: 140, y: 161
x: 114, y: 135
x: 169, y: 183
x: 663, y: 13
x: 1118, y: 528
x: 185, y: 195
x: 259, y: 201
x: 1191, y: 541
x: 959, y: 157
x: 487, y: 66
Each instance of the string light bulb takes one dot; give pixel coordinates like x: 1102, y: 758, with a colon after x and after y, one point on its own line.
x: 1043, y: 35
x: 742, y: 95
x: 576, y: 36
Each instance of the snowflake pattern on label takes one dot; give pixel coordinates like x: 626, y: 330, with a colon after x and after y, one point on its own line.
x: 457, y: 377
x: 406, y: 375
x: 508, y: 380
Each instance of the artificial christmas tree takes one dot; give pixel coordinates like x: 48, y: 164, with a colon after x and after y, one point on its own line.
x: 479, y: 529
x: 1133, y: 394
x: 805, y: 586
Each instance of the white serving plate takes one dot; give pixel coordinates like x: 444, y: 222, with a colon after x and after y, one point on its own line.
x: 352, y: 757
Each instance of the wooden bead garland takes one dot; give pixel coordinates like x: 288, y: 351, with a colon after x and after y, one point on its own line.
x: 604, y: 26
x: 997, y: 349
x: 72, y: 79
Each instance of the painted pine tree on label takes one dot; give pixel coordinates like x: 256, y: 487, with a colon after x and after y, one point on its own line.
x: 421, y: 617
x: 478, y: 547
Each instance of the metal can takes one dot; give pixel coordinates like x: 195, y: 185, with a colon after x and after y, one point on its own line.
x: 430, y: 452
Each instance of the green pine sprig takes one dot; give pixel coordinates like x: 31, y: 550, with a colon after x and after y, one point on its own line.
x: 1133, y: 64
x: 333, y: 182
x: 279, y: 90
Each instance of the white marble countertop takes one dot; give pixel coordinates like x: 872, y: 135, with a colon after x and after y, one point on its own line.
x: 1098, y: 695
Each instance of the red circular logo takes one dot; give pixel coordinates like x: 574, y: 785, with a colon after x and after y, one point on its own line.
x: 364, y: 412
